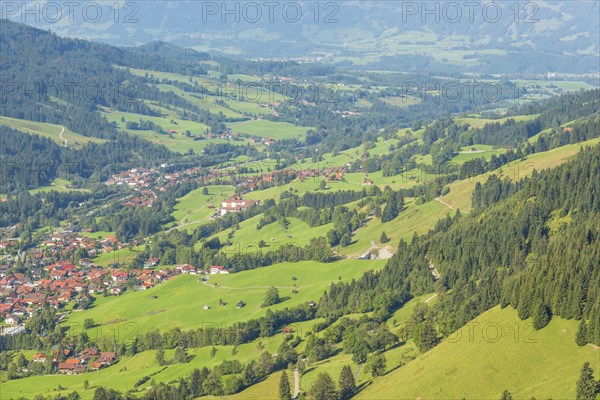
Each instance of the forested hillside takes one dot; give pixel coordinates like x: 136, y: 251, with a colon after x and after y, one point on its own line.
x: 537, y: 250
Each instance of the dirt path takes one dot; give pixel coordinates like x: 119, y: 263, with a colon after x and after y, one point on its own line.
x: 359, y: 372
x: 247, y: 287
x: 188, y: 223
x: 431, y: 298
x: 439, y: 200
x: 296, y: 383
x: 62, y: 137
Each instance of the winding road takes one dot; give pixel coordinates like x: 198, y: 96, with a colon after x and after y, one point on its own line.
x: 62, y: 137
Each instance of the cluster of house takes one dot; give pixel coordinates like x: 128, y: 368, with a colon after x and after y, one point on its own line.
x: 65, y: 241
x: 61, y: 283
x: 89, y: 359
x: 150, y: 182
x: 236, y: 204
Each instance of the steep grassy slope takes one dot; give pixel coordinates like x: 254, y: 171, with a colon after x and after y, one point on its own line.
x: 494, y: 352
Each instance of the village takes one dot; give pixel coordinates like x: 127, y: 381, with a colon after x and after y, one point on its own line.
x: 62, y: 272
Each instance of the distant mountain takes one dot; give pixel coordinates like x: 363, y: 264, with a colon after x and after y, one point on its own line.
x: 489, y: 37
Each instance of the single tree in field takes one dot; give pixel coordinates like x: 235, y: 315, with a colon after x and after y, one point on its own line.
x: 587, y: 387
x: 284, y: 387
x: 205, y: 191
x: 180, y: 355
x: 160, y: 357
x: 88, y: 323
x: 426, y: 337
x: 506, y: 395
x: 377, y: 365
x: 272, y: 297
x: 347, y: 385
x: 582, y: 334
x: 323, y: 388
x: 384, y: 238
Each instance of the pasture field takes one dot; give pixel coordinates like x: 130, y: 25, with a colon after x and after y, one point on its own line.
x: 271, y: 129
x: 544, y: 363
x: 193, y: 207
x: 481, y: 122
x: 469, y: 153
x: 121, y: 256
x: 179, y: 302
x: 176, y: 142
x: 460, y: 191
x: 414, y: 219
x: 52, y: 131
x: 297, y: 232
x: 58, y: 184
x: 98, y: 234
x: 130, y: 369
x: 401, y: 101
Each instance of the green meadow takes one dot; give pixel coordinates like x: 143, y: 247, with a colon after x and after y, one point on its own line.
x: 460, y: 191
x: 296, y: 232
x: 123, y: 375
x: 266, y: 128
x: 193, y: 208
x: 178, y: 141
x: 180, y: 301
x: 528, y: 363
x: 51, y: 131
x: 413, y: 219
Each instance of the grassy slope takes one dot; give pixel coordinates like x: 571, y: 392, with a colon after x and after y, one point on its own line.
x: 180, y: 301
x: 460, y: 191
x: 247, y: 236
x: 193, y: 206
x: 123, y: 375
x: 413, y: 219
x: 52, y: 131
x: 544, y: 364
x: 265, y: 128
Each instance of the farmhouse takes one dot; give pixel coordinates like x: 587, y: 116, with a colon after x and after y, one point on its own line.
x: 186, y: 269
x: 240, y: 304
x: 236, y: 204
x: 217, y: 269
x: 107, y: 357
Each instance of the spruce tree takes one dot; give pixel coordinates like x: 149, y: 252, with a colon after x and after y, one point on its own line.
x: 384, y: 238
x: 347, y: 384
x: 323, y: 388
x: 587, y: 388
x: 541, y: 316
x: 284, y: 387
x: 506, y: 395
x: 582, y: 332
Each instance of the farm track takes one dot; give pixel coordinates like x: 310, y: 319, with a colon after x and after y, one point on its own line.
x: 62, y: 137
x: 439, y: 200
x: 296, y: 384
x: 248, y: 287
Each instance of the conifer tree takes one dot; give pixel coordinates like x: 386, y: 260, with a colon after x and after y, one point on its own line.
x: 582, y: 332
x: 284, y: 387
x: 347, y: 384
x: 587, y: 387
x: 541, y: 316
